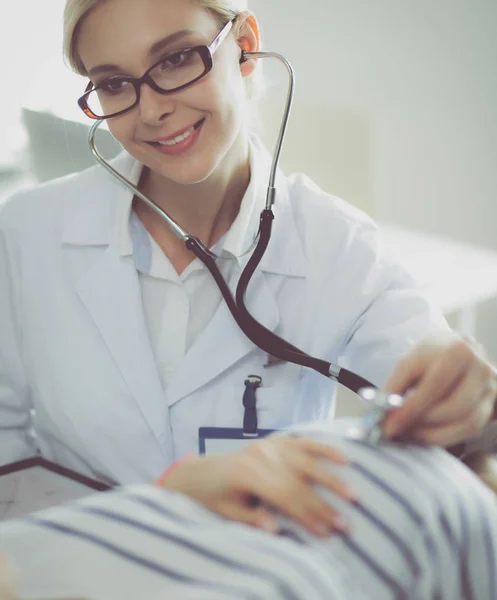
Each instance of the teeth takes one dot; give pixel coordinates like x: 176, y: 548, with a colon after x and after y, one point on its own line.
x: 178, y: 138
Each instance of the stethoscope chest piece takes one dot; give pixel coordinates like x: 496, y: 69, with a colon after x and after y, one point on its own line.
x: 380, y: 404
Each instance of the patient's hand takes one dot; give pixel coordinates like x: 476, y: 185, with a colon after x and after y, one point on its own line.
x: 279, y: 473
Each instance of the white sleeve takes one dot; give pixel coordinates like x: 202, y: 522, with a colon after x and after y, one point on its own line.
x: 392, y: 313
x: 15, y: 443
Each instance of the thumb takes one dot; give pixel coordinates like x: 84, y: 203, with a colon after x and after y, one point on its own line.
x: 412, y: 367
x: 408, y: 372
x: 407, y: 375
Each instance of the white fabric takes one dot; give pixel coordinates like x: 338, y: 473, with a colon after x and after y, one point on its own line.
x: 425, y: 528
x: 75, y: 347
x: 178, y: 307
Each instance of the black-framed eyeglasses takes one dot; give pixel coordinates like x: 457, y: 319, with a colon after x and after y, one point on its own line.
x: 176, y: 71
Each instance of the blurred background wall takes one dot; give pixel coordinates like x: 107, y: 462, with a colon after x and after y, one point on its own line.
x: 421, y: 78
x: 395, y: 110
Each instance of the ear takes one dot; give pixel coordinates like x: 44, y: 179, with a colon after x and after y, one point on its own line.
x: 248, y: 40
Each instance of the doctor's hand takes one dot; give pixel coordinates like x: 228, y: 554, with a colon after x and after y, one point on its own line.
x: 270, y: 474
x: 451, y: 392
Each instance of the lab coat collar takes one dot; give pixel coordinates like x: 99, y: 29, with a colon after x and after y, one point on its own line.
x: 223, y: 343
x: 111, y: 293
x: 104, y: 215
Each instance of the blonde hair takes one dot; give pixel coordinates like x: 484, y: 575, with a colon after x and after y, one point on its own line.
x: 75, y: 12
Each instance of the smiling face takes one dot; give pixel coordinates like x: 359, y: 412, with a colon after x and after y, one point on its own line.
x: 129, y: 36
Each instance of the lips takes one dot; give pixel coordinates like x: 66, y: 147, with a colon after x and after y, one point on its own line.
x: 181, y: 143
x: 178, y: 136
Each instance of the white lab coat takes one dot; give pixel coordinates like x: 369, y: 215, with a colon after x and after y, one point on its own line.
x: 75, y: 348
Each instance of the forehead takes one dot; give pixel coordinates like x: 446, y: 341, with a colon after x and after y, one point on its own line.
x: 123, y: 31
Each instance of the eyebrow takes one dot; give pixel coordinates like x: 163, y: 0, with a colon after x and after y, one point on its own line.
x: 160, y: 45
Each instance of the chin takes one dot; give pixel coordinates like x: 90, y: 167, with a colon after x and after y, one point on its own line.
x: 185, y: 172
x: 187, y: 169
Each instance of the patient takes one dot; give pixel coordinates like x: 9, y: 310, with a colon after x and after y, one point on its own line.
x: 424, y: 528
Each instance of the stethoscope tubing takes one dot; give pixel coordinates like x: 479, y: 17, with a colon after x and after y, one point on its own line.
x: 262, y: 337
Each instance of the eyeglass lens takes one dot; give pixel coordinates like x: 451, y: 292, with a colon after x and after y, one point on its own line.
x: 116, y: 94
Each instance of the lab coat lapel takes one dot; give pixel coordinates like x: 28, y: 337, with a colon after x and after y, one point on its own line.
x: 110, y: 290
x: 111, y: 293
x: 223, y: 343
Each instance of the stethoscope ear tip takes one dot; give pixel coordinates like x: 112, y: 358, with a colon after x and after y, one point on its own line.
x: 243, y: 57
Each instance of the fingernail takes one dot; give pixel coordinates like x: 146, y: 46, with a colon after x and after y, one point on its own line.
x: 269, y: 525
x: 321, y: 529
x: 340, y: 524
x: 391, y: 431
x: 351, y: 496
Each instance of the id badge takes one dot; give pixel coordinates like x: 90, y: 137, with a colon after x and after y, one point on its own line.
x: 226, y: 440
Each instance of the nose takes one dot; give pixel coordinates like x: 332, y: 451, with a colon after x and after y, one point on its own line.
x: 155, y: 107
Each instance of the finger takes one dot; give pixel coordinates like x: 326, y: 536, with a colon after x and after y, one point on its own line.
x: 311, y: 510
x: 259, y: 517
x: 316, y: 472
x: 412, y: 367
x: 271, y: 473
x: 289, y: 494
x: 319, y: 450
x: 474, y: 388
x: 458, y: 431
x: 406, y: 375
x: 437, y: 383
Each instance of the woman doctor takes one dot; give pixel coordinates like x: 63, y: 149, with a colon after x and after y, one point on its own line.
x: 116, y: 346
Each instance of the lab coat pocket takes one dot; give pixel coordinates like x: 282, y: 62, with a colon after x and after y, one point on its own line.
x: 280, y: 405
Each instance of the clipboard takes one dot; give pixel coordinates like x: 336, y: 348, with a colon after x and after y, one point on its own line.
x: 37, y: 484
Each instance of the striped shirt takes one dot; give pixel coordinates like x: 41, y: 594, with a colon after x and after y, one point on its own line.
x: 425, y: 528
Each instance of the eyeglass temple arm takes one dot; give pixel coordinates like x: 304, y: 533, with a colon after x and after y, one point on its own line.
x: 221, y: 37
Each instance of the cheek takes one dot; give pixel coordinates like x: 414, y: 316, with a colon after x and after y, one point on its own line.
x: 229, y: 108
x: 122, y: 128
x: 226, y: 91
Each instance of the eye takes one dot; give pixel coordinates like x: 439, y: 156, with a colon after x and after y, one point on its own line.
x: 176, y: 60
x: 113, y: 86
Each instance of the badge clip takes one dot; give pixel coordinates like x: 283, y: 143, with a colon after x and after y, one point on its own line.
x: 250, y: 425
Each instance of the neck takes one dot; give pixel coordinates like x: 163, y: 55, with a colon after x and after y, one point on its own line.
x: 205, y: 210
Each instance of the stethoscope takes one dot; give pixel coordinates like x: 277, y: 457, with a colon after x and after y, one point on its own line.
x: 262, y: 337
